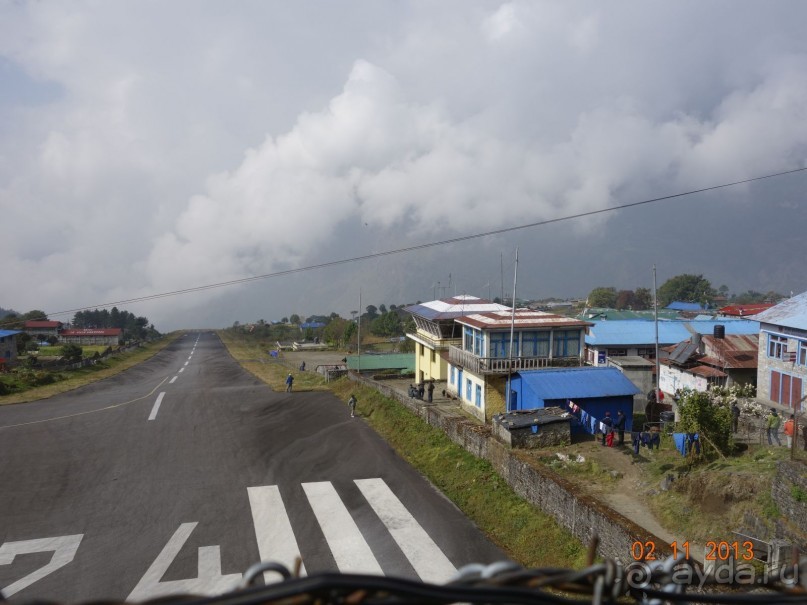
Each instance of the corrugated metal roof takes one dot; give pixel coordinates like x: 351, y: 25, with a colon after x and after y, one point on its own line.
x: 456, y: 306
x: 635, y: 332
x: 706, y: 372
x: 791, y: 313
x: 570, y: 383
x: 744, y: 310
x: 5, y: 333
x: 39, y: 323
x: 524, y: 319
x: 734, y: 351
x: 395, y: 361
x: 526, y: 418
x: 685, y: 306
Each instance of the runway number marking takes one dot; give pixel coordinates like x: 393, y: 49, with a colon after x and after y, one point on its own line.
x: 64, y: 550
x: 209, y: 580
x: 276, y: 542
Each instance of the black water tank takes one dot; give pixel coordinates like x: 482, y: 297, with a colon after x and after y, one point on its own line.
x: 720, y: 331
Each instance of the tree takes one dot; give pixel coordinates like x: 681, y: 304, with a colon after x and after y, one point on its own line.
x: 372, y: 312
x: 72, y: 352
x: 382, y: 308
x: 602, y: 297
x: 294, y: 319
x: 643, y: 299
x: 685, y: 288
x: 712, y: 421
x: 625, y: 299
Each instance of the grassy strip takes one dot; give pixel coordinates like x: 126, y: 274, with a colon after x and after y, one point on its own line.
x: 529, y: 536
x: 114, y: 364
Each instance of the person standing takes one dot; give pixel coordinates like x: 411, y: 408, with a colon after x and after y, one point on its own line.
x: 289, y: 382
x: 620, y: 426
x: 772, y: 423
x: 789, y: 430
x: 430, y: 390
x: 351, y: 403
x: 607, y: 426
x: 735, y: 417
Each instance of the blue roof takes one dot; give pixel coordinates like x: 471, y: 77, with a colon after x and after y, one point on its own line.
x: 312, y: 325
x: 571, y: 383
x: 639, y: 332
x: 791, y: 313
x: 678, y: 305
x: 4, y: 333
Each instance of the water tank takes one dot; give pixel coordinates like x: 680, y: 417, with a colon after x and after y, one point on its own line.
x: 720, y: 331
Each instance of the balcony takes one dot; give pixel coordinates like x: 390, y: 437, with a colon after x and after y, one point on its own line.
x: 503, y: 365
x: 433, y: 343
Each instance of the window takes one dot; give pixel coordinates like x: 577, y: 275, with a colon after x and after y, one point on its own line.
x: 433, y: 355
x: 535, y: 344
x: 777, y: 346
x: 468, y: 385
x: 500, y: 344
x: 479, y: 395
x: 802, y: 353
x: 452, y: 375
x: 566, y: 343
x: 468, y: 339
x: 617, y: 352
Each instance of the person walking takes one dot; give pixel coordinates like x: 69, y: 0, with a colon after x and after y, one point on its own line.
x: 430, y: 390
x: 789, y: 430
x: 620, y: 426
x: 289, y: 382
x: 351, y: 403
x: 772, y: 423
x: 606, y: 427
x: 735, y: 417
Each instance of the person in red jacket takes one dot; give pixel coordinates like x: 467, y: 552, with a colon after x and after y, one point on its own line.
x: 789, y: 430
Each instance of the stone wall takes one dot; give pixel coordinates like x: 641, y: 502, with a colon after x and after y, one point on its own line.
x: 539, y: 485
x: 790, y: 495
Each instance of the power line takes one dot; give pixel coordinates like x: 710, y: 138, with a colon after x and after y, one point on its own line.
x: 415, y: 248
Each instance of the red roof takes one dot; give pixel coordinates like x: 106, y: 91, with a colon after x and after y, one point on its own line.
x: 93, y: 332
x: 40, y: 323
x: 744, y: 310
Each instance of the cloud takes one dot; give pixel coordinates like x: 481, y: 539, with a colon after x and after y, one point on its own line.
x: 179, y: 149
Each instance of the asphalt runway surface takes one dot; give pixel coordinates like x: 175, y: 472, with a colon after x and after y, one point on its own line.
x: 178, y: 474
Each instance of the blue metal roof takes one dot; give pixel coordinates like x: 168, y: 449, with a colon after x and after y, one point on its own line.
x: 4, y: 333
x: 685, y: 306
x: 640, y: 332
x: 571, y: 383
x: 791, y: 313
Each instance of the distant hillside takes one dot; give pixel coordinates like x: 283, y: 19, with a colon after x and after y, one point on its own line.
x: 4, y: 312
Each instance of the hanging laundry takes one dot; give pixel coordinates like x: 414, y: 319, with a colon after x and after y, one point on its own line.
x: 681, y: 441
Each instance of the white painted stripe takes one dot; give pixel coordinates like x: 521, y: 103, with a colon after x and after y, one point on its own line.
x: 173, y: 380
x: 425, y: 556
x: 276, y: 541
x: 187, y: 362
x: 181, y: 370
x: 156, y: 407
x: 348, y: 546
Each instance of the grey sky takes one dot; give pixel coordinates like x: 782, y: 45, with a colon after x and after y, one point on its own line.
x: 148, y: 147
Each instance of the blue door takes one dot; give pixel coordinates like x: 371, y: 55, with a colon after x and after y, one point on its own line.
x: 459, y: 383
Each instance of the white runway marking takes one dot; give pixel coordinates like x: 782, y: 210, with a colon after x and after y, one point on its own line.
x: 156, y: 407
x: 348, y: 546
x: 181, y: 369
x: 425, y: 556
x: 64, y: 550
x: 173, y: 380
x: 276, y: 541
x: 187, y: 362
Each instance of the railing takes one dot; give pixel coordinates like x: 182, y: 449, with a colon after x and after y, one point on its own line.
x: 503, y: 365
x: 433, y: 343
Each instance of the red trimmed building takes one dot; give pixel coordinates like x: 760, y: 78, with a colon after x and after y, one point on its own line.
x: 92, y: 336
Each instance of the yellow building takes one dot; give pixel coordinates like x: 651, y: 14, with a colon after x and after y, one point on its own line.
x: 437, y: 331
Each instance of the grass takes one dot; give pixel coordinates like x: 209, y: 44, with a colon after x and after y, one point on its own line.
x: 69, y: 380
x: 526, y: 534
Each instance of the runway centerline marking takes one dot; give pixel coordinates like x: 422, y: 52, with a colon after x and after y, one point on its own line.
x: 173, y: 380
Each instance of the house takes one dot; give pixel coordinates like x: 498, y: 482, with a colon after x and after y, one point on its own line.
x: 42, y: 329
x: 782, y: 354
x: 436, y: 331
x: 705, y: 361
x: 544, y: 427
x: 481, y: 363
x: 8, y: 348
x: 92, y: 336
x: 609, y: 339
x: 594, y: 391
